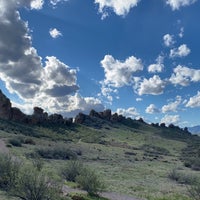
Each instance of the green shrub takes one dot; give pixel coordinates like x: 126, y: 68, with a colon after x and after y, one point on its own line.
x: 72, y: 170
x: 90, y: 182
x: 57, y: 153
x: 34, y: 185
x: 29, y: 141
x: 194, y: 190
x: 181, y: 177
x: 15, y: 142
x: 9, y: 170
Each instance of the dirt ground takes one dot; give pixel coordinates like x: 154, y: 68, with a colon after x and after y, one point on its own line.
x: 3, y: 148
x: 108, y: 195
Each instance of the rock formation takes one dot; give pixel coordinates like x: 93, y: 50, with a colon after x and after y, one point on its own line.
x: 5, y: 107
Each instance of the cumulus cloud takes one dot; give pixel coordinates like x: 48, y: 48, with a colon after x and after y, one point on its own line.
x: 121, y: 8
x: 130, y: 112
x: 151, y: 109
x: 154, y: 86
x: 194, y: 101
x: 37, y: 4
x: 176, y: 4
x: 170, y: 119
x: 173, y: 106
x: 168, y: 40
x: 181, y: 51
x: 183, y: 76
x: 158, y: 66
x: 52, y: 86
x: 120, y: 73
x: 55, y: 33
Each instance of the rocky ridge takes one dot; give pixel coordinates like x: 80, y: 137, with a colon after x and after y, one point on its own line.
x: 39, y: 117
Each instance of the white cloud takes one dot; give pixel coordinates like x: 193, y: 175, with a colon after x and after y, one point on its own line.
x: 130, y: 112
x: 158, y: 66
x: 152, y: 109
x: 183, y: 76
x: 154, y: 86
x: 52, y: 86
x: 170, y: 119
x: 194, y: 101
x: 139, y: 99
x: 120, y: 7
x: 168, y: 40
x: 120, y: 73
x: 181, y: 34
x: 176, y: 4
x: 55, y: 33
x: 181, y: 51
x: 173, y: 106
x: 55, y: 2
x: 37, y: 4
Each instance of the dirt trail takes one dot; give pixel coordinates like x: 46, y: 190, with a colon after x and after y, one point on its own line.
x: 108, y: 195
x: 3, y: 148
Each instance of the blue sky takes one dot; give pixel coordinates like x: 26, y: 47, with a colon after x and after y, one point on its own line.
x: 139, y: 58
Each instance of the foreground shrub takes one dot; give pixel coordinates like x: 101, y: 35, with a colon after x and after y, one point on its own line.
x: 34, y: 185
x: 57, y: 153
x: 9, y: 170
x: 72, y: 170
x: 15, y: 142
x: 181, y: 177
x: 90, y: 182
x: 194, y: 190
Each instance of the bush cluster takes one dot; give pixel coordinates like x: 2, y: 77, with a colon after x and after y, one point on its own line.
x: 9, y: 170
x: 57, y: 153
x: 181, y: 177
x: 88, y: 180
x: 25, y: 183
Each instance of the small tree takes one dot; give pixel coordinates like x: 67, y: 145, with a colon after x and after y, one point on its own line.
x: 9, y: 170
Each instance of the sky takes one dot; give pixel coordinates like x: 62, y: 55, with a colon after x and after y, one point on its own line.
x: 139, y: 58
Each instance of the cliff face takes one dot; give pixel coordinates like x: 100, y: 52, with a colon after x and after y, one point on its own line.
x: 39, y: 117
x: 5, y: 107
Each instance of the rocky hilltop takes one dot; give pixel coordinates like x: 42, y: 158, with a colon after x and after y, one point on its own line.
x: 8, y: 112
x: 95, y: 119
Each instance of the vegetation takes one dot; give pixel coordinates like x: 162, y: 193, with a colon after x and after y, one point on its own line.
x: 34, y: 185
x: 90, y: 181
x: 194, y: 190
x: 9, y: 170
x: 132, y: 157
x: 72, y: 170
x: 56, y: 153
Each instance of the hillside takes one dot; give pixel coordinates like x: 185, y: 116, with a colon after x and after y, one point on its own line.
x: 132, y: 157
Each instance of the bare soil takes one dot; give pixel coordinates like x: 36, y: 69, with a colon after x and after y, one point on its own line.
x: 109, y: 195
x: 3, y: 148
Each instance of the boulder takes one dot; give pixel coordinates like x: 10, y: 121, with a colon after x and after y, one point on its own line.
x: 18, y: 115
x: 56, y: 119
x: 93, y: 113
x: 39, y: 116
x: 107, y: 114
x: 80, y: 118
